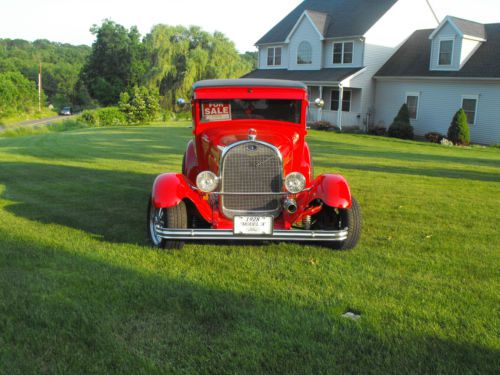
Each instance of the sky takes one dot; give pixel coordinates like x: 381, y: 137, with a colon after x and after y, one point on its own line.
x: 244, y: 22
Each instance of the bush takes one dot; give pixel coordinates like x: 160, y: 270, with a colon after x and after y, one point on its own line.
x: 458, y: 131
x: 400, y: 129
x: 89, y: 117
x: 434, y: 137
x: 140, y: 106
x: 403, y: 115
x: 111, y: 116
x: 321, y: 125
x: 377, y: 130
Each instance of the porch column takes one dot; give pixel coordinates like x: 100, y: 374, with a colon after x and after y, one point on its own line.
x: 320, y: 109
x: 339, y: 111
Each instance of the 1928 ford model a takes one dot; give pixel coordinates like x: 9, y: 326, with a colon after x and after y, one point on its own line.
x: 247, y: 174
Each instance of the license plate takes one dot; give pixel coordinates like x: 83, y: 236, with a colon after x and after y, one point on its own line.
x: 253, y: 225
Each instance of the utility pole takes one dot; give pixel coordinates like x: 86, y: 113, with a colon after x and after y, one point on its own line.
x: 40, y: 87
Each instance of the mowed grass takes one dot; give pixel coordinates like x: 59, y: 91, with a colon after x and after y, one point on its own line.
x: 81, y: 292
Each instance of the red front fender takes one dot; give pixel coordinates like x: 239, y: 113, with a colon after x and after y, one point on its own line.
x: 171, y: 188
x: 332, y: 189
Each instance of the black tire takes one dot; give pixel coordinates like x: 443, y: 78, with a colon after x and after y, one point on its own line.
x: 173, y: 217
x: 336, y: 219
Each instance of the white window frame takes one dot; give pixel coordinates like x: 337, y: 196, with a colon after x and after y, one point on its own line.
x: 417, y: 94
x: 452, y: 40
x: 298, y: 49
x: 274, y: 48
x: 343, y: 53
x: 472, y: 97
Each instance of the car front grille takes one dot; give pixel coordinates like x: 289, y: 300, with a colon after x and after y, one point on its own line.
x: 251, y: 172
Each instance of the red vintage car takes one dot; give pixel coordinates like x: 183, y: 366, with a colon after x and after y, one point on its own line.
x: 248, y: 175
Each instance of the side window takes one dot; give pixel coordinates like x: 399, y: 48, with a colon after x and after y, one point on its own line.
x: 274, y: 56
x: 343, y: 52
x: 445, y: 52
x: 412, y: 103
x: 469, y: 105
x: 304, y: 53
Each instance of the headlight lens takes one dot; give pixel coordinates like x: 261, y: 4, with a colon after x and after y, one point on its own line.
x: 295, y: 182
x: 207, y: 181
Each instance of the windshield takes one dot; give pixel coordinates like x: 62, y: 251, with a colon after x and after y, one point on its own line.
x: 258, y: 109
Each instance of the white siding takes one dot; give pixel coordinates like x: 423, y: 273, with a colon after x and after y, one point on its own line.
x: 357, y: 57
x: 447, y: 32
x: 305, y: 31
x: 263, y: 57
x: 439, y: 101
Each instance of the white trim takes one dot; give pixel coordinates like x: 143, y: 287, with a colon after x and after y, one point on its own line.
x: 450, y: 65
x: 304, y: 14
x: 417, y: 94
x: 404, y: 78
x: 459, y: 32
x: 473, y: 97
x: 447, y: 19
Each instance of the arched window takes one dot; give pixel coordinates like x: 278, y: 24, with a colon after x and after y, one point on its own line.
x: 304, y: 53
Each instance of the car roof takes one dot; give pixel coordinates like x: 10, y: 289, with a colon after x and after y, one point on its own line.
x: 249, y: 82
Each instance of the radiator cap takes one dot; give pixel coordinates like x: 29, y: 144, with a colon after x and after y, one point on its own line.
x: 252, y: 134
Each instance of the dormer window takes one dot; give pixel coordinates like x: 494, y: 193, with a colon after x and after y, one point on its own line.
x: 342, y: 52
x: 445, y: 52
x: 304, y: 53
x: 274, y: 56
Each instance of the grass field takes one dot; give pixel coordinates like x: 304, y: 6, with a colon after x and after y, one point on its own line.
x: 80, y: 292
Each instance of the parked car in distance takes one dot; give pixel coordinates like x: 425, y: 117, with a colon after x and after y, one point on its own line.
x: 66, y: 111
x: 247, y: 173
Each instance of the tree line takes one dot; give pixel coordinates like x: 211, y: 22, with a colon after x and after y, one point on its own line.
x: 166, y: 61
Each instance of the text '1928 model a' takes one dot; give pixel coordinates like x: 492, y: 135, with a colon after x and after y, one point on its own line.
x: 247, y: 174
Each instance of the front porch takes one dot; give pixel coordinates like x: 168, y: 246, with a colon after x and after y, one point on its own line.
x: 347, y: 99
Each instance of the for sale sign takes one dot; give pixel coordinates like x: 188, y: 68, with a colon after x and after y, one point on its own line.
x: 216, y: 111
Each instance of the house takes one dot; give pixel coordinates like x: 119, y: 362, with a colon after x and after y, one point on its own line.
x: 335, y: 47
x: 437, y: 71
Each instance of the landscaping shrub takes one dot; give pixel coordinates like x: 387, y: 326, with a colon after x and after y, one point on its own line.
x: 400, y: 130
x: 401, y: 127
x: 89, y: 117
x: 458, y: 131
x: 434, y: 137
x: 140, y: 106
x: 377, y: 130
x: 323, y: 125
x: 111, y: 116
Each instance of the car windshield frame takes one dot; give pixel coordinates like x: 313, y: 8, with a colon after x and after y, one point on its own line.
x: 228, y: 110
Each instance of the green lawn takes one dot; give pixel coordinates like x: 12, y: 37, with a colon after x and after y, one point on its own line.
x: 80, y: 292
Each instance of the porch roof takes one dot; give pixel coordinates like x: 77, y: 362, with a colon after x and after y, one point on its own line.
x: 327, y: 75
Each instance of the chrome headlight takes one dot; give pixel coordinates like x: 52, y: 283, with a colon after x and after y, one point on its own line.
x: 295, y: 182
x: 207, y: 181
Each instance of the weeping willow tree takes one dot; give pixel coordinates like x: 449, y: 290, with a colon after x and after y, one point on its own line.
x: 180, y: 56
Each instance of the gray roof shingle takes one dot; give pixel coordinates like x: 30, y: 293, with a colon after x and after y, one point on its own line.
x: 412, y: 59
x: 322, y: 75
x: 342, y: 18
x: 470, y: 28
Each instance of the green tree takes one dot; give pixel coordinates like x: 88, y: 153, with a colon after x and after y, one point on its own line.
x: 401, y: 126
x: 459, y: 132
x: 116, y: 64
x: 140, y: 106
x: 17, y: 94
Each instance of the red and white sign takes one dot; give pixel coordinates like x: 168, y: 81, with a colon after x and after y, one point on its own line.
x: 216, y: 111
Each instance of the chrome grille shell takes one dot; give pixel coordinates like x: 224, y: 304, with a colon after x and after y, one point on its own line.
x: 251, y: 179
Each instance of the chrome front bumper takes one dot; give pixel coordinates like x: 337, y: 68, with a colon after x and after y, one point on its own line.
x: 278, y: 235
